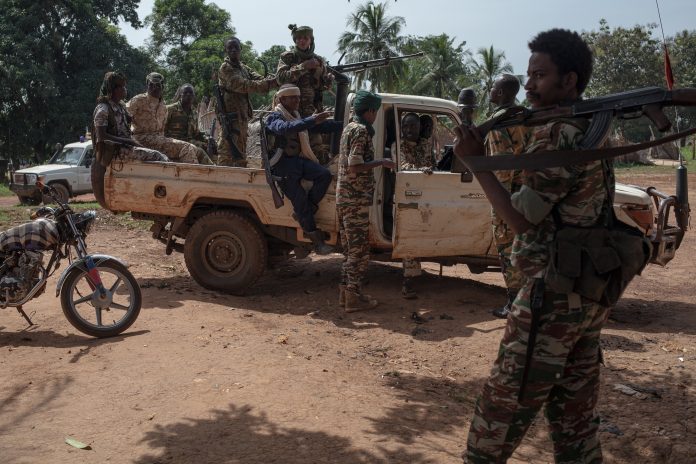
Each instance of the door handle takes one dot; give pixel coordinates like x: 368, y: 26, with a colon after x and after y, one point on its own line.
x: 413, y: 193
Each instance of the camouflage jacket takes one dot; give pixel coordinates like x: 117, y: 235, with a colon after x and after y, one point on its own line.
x: 577, y: 193
x: 311, y: 82
x: 356, y: 148
x: 236, y: 82
x: 148, y: 113
x: 114, y: 117
x: 181, y: 124
x: 413, y: 156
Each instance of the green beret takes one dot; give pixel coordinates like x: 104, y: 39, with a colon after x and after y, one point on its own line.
x: 365, y: 100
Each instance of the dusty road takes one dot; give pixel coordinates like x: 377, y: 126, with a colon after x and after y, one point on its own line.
x: 283, y: 376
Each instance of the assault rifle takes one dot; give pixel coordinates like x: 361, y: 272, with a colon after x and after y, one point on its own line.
x: 225, y: 119
x: 270, y: 178
x: 359, y: 66
x: 212, y: 148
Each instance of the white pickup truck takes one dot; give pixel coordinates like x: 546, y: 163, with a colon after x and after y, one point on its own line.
x: 68, y: 171
x: 230, y: 228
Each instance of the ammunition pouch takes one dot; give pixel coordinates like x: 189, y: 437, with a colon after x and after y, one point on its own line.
x: 597, y: 263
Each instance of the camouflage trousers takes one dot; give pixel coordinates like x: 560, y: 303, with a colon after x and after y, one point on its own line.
x: 412, y: 267
x: 176, y: 150
x: 319, y: 148
x: 504, y: 236
x: 353, y: 225
x: 563, y: 376
x: 141, y: 154
x: 239, y: 137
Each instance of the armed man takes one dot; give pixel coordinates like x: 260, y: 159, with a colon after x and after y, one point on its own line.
x: 294, y: 161
x: 235, y: 82
x: 466, y: 102
x: 182, y: 121
x: 504, y: 141
x: 550, y: 352
x: 308, y: 71
x: 149, y: 115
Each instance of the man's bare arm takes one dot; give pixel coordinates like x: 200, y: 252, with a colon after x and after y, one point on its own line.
x: 385, y: 162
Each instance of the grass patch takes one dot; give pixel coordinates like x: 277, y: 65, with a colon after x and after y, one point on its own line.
x: 5, y: 190
x: 634, y: 168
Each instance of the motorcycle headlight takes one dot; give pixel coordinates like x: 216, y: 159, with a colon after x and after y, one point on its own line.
x: 84, y: 221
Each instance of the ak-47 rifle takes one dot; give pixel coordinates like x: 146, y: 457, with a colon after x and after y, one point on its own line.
x: 263, y: 140
x: 212, y: 148
x: 226, y: 119
x: 363, y: 65
x: 601, y: 111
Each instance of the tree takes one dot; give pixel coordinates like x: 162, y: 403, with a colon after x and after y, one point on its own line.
x: 373, y: 35
x: 50, y: 97
x: 489, y: 66
x: 440, y: 71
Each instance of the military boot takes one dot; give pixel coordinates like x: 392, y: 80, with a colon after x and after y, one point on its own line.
x: 407, y: 291
x: 342, y: 295
x: 357, y: 302
x: 317, y: 238
x: 503, y: 312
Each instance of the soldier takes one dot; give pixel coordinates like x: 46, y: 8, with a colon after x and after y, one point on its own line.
x: 425, y: 142
x: 182, y: 121
x: 308, y: 71
x: 550, y: 352
x: 354, y: 195
x: 112, y: 134
x: 294, y: 161
x: 467, y: 105
x: 508, y: 140
x: 412, y: 157
x: 149, y: 115
x: 237, y: 81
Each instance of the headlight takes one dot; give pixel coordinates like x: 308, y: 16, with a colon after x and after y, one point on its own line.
x: 31, y: 178
x: 84, y: 221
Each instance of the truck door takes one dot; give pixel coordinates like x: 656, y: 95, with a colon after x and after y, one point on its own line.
x: 84, y: 183
x: 436, y: 214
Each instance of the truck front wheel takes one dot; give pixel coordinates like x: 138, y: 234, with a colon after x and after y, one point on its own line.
x: 225, y: 251
x: 62, y: 192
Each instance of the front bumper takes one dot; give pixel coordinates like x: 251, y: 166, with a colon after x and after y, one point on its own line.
x: 24, y: 185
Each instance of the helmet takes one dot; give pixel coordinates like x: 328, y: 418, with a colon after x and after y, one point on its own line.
x: 467, y: 98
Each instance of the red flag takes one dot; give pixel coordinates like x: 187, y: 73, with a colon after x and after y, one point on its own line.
x: 668, y: 70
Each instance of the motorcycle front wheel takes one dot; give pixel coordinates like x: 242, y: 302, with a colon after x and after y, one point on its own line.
x: 99, y: 315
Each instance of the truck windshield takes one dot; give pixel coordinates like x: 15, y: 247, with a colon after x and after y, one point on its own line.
x: 69, y: 155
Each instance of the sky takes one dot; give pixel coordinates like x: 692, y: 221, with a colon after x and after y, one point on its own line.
x: 506, y: 24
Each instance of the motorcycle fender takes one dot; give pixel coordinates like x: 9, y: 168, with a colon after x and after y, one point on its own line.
x: 80, y: 263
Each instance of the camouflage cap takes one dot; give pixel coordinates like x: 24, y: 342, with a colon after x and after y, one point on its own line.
x: 467, y: 98
x: 300, y: 31
x: 155, y: 78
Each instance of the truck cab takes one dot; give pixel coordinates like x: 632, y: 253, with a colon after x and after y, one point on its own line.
x: 68, y: 171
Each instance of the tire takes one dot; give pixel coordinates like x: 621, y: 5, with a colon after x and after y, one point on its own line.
x: 29, y: 201
x: 81, y: 311
x: 63, y: 193
x: 225, y: 251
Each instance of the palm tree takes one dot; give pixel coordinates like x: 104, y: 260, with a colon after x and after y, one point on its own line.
x: 490, y: 65
x: 373, y: 35
x: 443, y: 67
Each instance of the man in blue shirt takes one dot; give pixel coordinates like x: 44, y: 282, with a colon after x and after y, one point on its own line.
x: 292, y: 159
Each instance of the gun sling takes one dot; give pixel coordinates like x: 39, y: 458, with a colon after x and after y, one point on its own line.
x: 560, y: 158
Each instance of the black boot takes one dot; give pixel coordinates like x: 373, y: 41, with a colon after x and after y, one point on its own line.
x: 317, y: 238
x: 407, y: 291
x: 502, y: 313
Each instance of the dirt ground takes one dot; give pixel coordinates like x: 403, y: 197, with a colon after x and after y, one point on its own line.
x: 282, y: 375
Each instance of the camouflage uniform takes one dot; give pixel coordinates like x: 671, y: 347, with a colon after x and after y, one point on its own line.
x: 311, y: 84
x: 149, y: 115
x: 502, y: 142
x: 237, y: 81
x: 115, y: 118
x: 354, y: 193
x: 564, y: 372
x: 183, y: 125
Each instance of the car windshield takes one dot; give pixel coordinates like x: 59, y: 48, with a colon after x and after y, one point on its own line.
x: 69, y: 155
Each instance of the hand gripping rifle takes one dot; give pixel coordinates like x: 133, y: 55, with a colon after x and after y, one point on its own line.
x: 601, y: 111
x: 263, y: 140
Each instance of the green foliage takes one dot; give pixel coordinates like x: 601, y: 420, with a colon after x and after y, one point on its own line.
x: 442, y: 69
x: 487, y: 67
x: 373, y: 35
x: 54, y: 56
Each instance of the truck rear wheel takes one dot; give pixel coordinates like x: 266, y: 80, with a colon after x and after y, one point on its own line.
x: 225, y: 251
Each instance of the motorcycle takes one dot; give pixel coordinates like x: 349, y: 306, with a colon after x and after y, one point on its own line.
x: 98, y: 295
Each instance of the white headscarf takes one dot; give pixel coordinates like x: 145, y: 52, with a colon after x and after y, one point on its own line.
x: 289, y: 90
